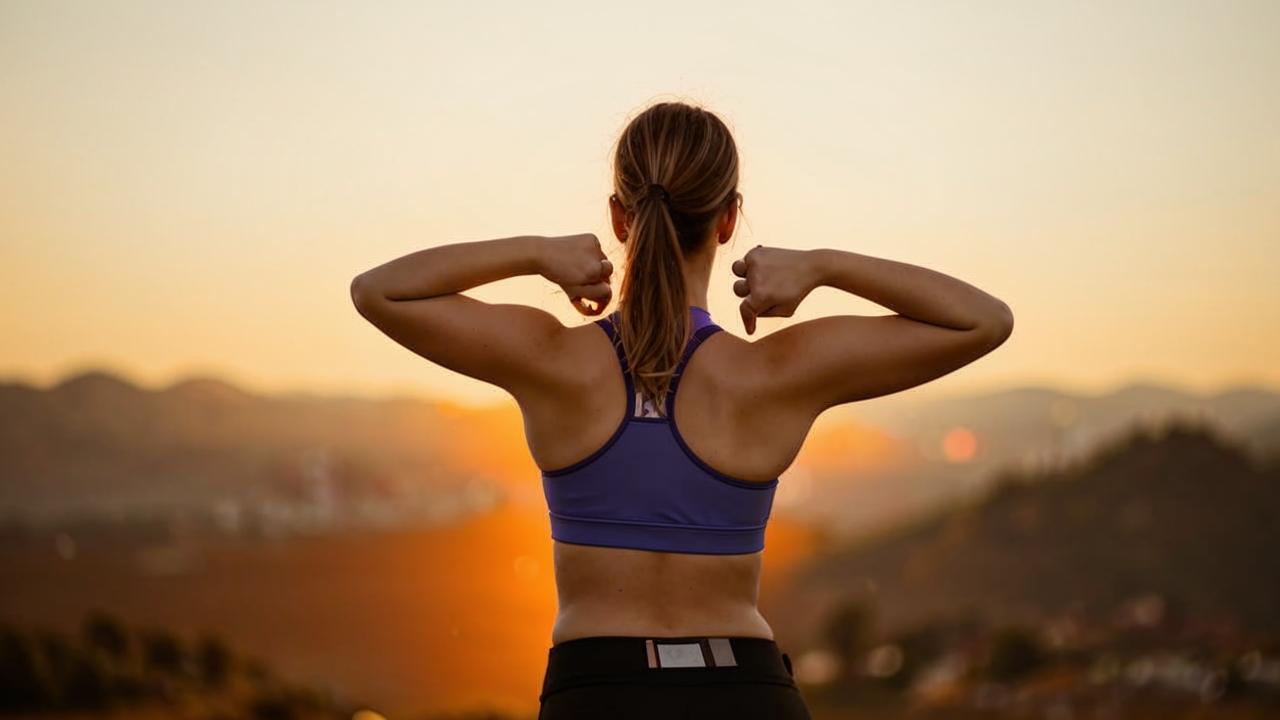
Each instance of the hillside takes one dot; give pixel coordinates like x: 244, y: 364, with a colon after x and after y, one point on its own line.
x: 97, y: 443
x: 1020, y: 427
x: 1025, y: 421
x: 1180, y: 512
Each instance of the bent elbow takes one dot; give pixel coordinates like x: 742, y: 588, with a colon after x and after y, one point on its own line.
x: 999, y: 326
x: 363, y: 294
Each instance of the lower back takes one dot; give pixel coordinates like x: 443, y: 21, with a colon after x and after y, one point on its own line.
x: 614, y: 591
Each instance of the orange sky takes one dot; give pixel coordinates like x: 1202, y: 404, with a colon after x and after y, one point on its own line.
x: 189, y: 188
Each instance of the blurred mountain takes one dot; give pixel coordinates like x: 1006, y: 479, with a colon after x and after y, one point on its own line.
x: 96, y: 443
x: 1266, y: 437
x: 1179, y: 513
x: 1026, y: 425
x: 950, y: 448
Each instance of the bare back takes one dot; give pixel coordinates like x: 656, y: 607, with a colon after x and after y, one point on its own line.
x: 603, y: 590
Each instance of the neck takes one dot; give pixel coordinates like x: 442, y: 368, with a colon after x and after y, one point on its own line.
x: 697, y: 275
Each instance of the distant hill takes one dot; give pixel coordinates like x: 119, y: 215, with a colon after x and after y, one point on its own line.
x: 1179, y: 511
x: 1266, y: 437
x: 1025, y: 424
x: 97, y: 443
x: 1018, y: 428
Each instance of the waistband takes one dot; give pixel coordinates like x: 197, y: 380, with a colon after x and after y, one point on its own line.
x: 686, y: 660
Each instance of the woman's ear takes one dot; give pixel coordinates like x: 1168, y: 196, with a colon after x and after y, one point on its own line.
x: 618, y: 216
x: 728, y: 220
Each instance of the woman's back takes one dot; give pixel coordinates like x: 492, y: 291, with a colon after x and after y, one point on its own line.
x: 652, y: 529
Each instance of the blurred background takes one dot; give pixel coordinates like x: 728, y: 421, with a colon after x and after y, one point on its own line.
x: 225, y: 495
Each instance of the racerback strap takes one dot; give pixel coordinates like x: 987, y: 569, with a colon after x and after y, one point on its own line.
x: 695, y: 342
x: 608, y: 324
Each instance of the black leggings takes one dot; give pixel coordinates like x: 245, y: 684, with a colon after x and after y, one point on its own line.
x: 622, y: 677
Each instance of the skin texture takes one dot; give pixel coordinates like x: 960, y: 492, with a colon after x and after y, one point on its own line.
x: 744, y: 406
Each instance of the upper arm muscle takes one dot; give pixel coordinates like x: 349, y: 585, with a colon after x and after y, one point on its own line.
x: 833, y: 360
x: 512, y: 346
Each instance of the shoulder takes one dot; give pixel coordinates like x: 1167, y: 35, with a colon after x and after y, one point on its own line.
x: 752, y: 377
x: 732, y: 412
x: 581, y: 399
x: 732, y: 364
x: 577, y: 355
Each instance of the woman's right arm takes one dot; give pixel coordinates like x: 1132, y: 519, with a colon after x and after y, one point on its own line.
x: 941, y: 325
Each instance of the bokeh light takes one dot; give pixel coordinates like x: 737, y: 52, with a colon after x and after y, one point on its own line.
x: 959, y: 445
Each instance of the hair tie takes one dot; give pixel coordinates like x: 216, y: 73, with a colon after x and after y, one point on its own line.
x: 656, y: 190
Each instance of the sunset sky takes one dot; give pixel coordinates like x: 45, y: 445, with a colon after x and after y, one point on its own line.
x: 188, y: 188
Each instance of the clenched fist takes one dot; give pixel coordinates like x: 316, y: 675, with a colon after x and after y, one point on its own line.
x: 773, y: 282
x: 578, y: 265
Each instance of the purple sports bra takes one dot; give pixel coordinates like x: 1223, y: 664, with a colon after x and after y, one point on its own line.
x: 646, y: 490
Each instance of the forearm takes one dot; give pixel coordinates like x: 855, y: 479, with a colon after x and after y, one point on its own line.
x: 451, y: 268
x: 911, y: 291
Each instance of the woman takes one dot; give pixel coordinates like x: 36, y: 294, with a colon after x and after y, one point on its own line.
x: 658, y: 507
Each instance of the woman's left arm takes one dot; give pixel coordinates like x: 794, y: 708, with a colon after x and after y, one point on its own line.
x: 417, y: 301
